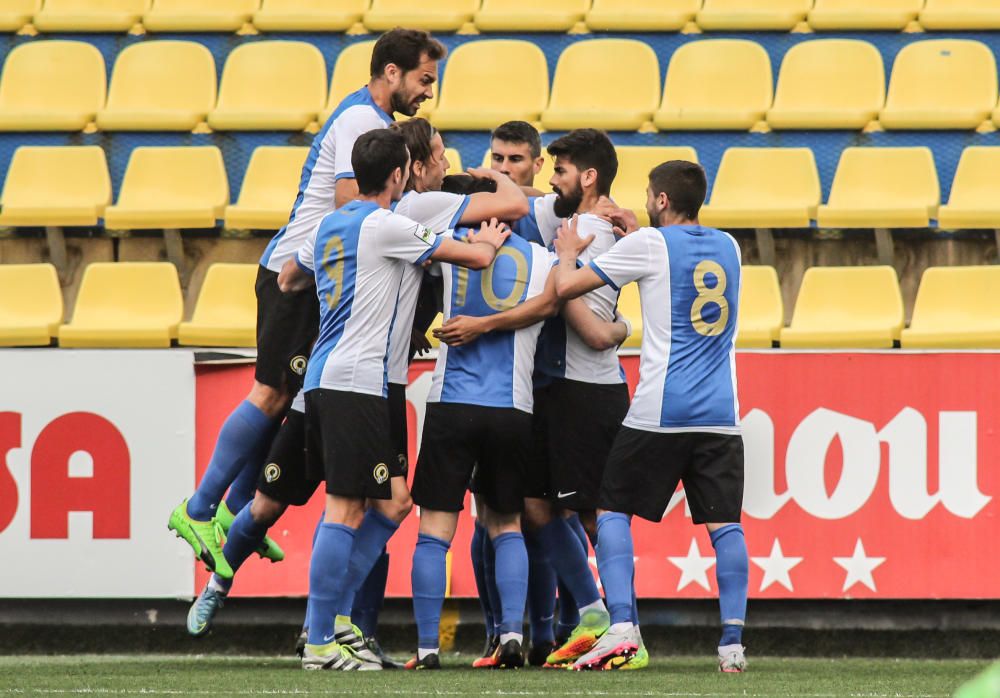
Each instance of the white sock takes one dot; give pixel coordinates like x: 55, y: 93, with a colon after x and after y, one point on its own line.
x: 619, y: 628
x: 421, y: 652
x: 507, y: 637
x: 216, y: 584
x: 596, y: 606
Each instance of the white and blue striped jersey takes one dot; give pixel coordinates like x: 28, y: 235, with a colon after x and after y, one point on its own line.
x: 541, y: 223
x: 329, y: 160
x: 689, y: 288
x: 361, y: 253
x: 495, y: 370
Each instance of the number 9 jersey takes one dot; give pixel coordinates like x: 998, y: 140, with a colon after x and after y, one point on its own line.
x: 689, y: 289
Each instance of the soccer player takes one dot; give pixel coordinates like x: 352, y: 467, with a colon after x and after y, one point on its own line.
x: 360, y: 251
x: 683, y: 424
x: 516, y: 151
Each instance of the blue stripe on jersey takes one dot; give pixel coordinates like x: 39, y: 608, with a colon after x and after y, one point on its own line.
x: 527, y: 226
x: 698, y: 389
x: 336, y: 274
x: 604, y: 277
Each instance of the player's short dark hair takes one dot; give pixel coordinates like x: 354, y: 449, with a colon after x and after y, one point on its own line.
x: 374, y: 157
x: 683, y: 182
x: 589, y: 148
x: 467, y: 184
x: 404, y: 48
x: 418, y: 133
x: 519, y: 132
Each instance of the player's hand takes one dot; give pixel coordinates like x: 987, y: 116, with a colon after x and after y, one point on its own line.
x: 605, y: 208
x: 493, y: 233
x: 459, y: 330
x: 568, y: 242
x: 419, y: 344
x: 624, y: 221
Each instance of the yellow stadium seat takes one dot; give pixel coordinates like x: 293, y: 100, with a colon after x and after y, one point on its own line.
x: 762, y: 312
x: 51, y: 86
x: 846, y: 308
x: 634, y: 163
x: 279, y: 85
x: 14, y: 14
x: 641, y: 15
x: 170, y: 188
x: 829, y: 83
x: 454, y: 161
x: 956, y: 309
x: 432, y: 15
x: 31, y: 306
x: 630, y: 306
x: 56, y: 186
x: 226, y: 312
x: 541, y: 179
x: 309, y: 15
x: 882, y: 188
x: 468, y: 95
x: 764, y: 188
x: 946, y: 15
x: 160, y: 86
x: 530, y: 15
x: 198, y: 15
x: 270, y: 186
x: 975, y: 193
x: 745, y: 15
x: 89, y: 15
x: 578, y: 102
x: 863, y: 15
x: 716, y: 84
x: 941, y: 83
x: 125, y: 305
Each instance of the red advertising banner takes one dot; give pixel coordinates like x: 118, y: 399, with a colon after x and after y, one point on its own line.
x: 868, y: 475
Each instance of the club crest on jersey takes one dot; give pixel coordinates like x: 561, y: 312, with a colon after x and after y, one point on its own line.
x: 298, y: 364
x: 381, y: 473
x: 424, y: 234
x: 272, y: 472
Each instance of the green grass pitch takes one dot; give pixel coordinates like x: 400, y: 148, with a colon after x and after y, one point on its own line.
x: 250, y: 676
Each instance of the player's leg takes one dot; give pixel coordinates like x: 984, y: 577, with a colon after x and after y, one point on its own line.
x: 569, y: 615
x: 542, y: 583
x: 477, y: 551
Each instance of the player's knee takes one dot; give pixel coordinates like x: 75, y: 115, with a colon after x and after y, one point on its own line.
x: 503, y: 523
x: 266, y: 511
x: 270, y: 401
x: 398, y: 508
x: 537, y: 514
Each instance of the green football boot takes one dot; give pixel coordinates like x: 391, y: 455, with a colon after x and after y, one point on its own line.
x: 204, y: 537
x: 269, y: 550
x: 985, y: 685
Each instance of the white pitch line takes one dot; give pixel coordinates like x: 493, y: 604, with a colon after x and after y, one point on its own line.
x: 387, y: 692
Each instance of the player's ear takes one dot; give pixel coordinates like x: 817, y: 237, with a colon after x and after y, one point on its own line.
x: 539, y: 161
x: 588, y: 177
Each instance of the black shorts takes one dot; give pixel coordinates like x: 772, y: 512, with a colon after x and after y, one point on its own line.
x: 398, y: 430
x: 456, y: 438
x: 287, y: 325
x: 537, y: 481
x: 284, y: 477
x: 644, y: 468
x: 348, y: 443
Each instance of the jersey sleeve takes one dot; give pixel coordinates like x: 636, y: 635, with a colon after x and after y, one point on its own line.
x: 438, y: 210
x: 626, y: 261
x: 306, y: 254
x: 546, y: 219
x: 346, y: 130
x: 400, y: 237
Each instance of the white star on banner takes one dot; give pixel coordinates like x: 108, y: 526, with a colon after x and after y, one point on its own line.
x: 693, y: 567
x: 859, y: 567
x: 776, y: 567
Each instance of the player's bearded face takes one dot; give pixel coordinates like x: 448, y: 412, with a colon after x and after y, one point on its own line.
x: 415, y: 87
x: 568, y: 199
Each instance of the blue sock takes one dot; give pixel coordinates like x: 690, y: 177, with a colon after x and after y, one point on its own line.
x: 245, y: 536
x: 319, y: 524
x: 242, y: 491
x: 477, y: 551
x: 615, y: 563
x: 731, y: 573
x: 541, y: 591
x: 428, y: 578
x: 569, y: 560
x: 635, y: 603
x: 569, y: 613
x: 368, y: 601
x: 375, y: 531
x: 490, y: 567
x: 577, y: 527
x: 327, y: 571
x: 239, y: 442
x: 512, y: 580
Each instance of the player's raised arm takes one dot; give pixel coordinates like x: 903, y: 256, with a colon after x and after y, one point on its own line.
x: 477, y: 251
x: 570, y: 281
x: 596, y: 333
x: 508, y: 203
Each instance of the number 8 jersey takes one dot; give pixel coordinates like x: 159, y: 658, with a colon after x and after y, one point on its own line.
x: 689, y: 288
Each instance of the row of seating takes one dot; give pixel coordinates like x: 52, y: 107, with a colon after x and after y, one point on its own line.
x: 495, y: 15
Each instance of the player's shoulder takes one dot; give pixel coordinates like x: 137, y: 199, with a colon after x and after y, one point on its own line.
x: 359, y: 108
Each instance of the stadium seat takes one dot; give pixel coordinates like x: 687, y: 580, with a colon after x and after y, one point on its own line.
x: 270, y: 186
x: 170, y: 188
x: 530, y: 15
x: 944, y: 15
x: 741, y: 15
x: 55, y: 186
x: 829, y: 84
x: 270, y: 85
x: 125, y: 305
x: 51, y: 86
x: 939, y: 84
x: 846, y: 308
x: 975, y: 192
x: 716, y: 84
x: 764, y: 188
x: 198, y: 15
x: 634, y: 72
x: 226, y: 312
x: 864, y: 15
x: 432, y: 15
x: 89, y: 15
x: 160, y: 86
x: 454, y: 161
x: 956, y: 309
x: 541, y: 179
x: 468, y: 92
x: 309, y: 15
x: 630, y: 306
x: 14, y: 14
x: 435, y: 324
x: 641, y: 15
x: 762, y: 312
x: 882, y: 188
x: 31, y: 306
x: 634, y: 163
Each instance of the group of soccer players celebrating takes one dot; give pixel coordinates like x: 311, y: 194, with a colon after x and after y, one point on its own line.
x: 528, y: 407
